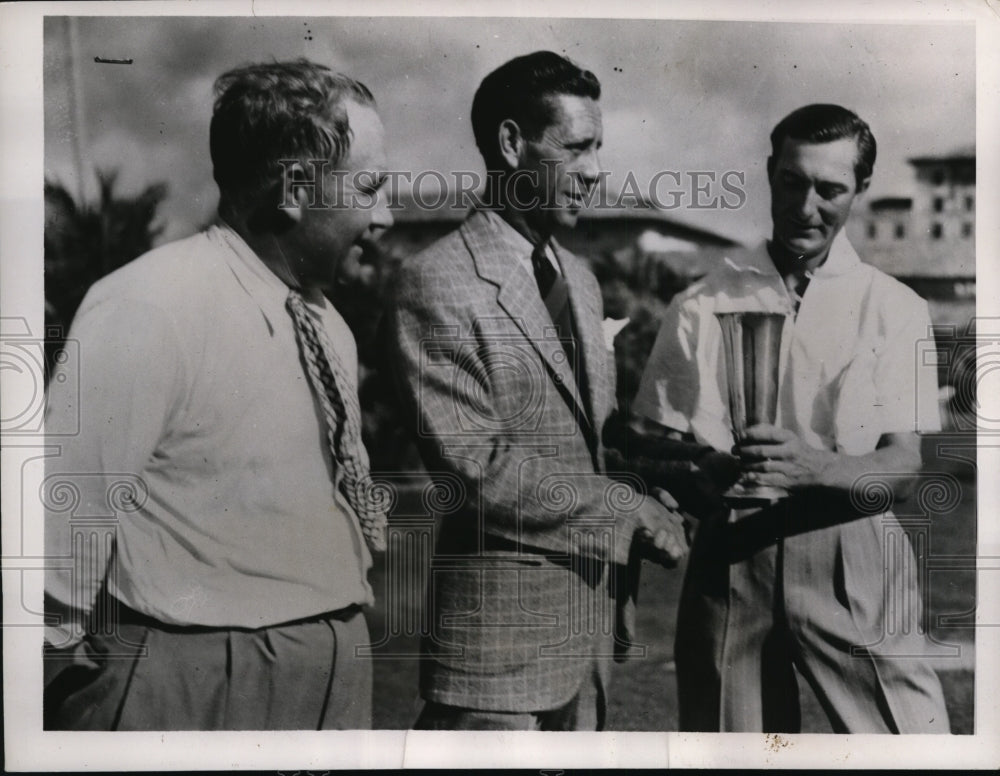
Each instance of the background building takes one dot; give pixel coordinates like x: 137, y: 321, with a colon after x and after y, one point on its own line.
x: 928, y: 240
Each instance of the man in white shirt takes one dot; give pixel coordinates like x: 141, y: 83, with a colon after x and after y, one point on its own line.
x: 219, y: 389
x: 801, y: 584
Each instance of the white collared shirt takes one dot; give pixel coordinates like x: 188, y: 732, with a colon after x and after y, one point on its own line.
x: 850, y: 370
x: 191, y: 380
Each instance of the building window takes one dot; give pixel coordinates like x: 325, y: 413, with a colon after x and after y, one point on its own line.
x: 966, y: 229
x: 937, y: 176
x: 969, y: 203
x: 938, y: 204
x: 965, y: 289
x: 872, y: 231
x: 900, y: 231
x: 936, y: 231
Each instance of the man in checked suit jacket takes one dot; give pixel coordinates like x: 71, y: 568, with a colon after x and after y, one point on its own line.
x: 496, y: 332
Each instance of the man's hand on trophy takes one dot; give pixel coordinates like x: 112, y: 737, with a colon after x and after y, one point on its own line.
x: 662, y: 533
x: 775, y: 456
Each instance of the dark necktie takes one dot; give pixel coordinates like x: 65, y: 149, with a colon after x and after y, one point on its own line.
x: 343, y: 422
x: 545, y: 273
x: 555, y: 294
x: 796, y: 282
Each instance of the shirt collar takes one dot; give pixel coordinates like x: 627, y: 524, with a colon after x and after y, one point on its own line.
x: 520, y: 245
x: 841, y: 260
x: 253, y: 274
x: 268, y: 291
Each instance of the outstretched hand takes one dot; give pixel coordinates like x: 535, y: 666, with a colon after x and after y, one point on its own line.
x: 664, y: 539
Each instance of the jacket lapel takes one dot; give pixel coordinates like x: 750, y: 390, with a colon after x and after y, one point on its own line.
x: 518, y: 297
x: 585, y: 304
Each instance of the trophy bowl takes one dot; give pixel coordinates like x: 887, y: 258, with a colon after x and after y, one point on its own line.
x: 751, y: 342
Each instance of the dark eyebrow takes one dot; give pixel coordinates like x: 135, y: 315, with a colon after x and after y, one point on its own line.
x: 831, y: 188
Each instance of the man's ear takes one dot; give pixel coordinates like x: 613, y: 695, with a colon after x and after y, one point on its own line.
x: 292, y: 199
x: 863, y: 186
x: 511, y: 142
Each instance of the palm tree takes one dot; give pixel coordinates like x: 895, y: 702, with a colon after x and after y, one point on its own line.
x: 84, y: 241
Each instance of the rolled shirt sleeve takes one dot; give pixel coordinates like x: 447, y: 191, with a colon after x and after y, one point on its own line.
x: 668, y: 389
x: 887, y: 388
x: 906, y: 388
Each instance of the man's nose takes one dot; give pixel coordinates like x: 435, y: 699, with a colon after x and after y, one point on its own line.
x: 590, y: 167
x: 807, y: 202
x: 381, y: 216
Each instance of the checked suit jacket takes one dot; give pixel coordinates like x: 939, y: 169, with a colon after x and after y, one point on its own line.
x: 527, y: 570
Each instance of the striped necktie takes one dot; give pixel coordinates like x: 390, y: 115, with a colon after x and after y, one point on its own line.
x: 343, y: 422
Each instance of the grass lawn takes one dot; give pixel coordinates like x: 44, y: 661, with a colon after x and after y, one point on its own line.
x: 643, y: 692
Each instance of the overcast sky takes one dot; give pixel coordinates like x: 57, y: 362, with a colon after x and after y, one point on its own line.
x: 678, y: 95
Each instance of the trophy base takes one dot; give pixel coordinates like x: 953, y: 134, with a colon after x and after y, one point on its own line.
x: 747, y: 496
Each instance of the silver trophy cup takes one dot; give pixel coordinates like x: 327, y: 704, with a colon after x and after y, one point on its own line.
x: 752, y: 344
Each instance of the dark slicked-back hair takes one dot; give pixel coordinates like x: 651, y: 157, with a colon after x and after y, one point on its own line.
x: 520, y: 90
x: 279, y: 110
x: 822, y: 123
